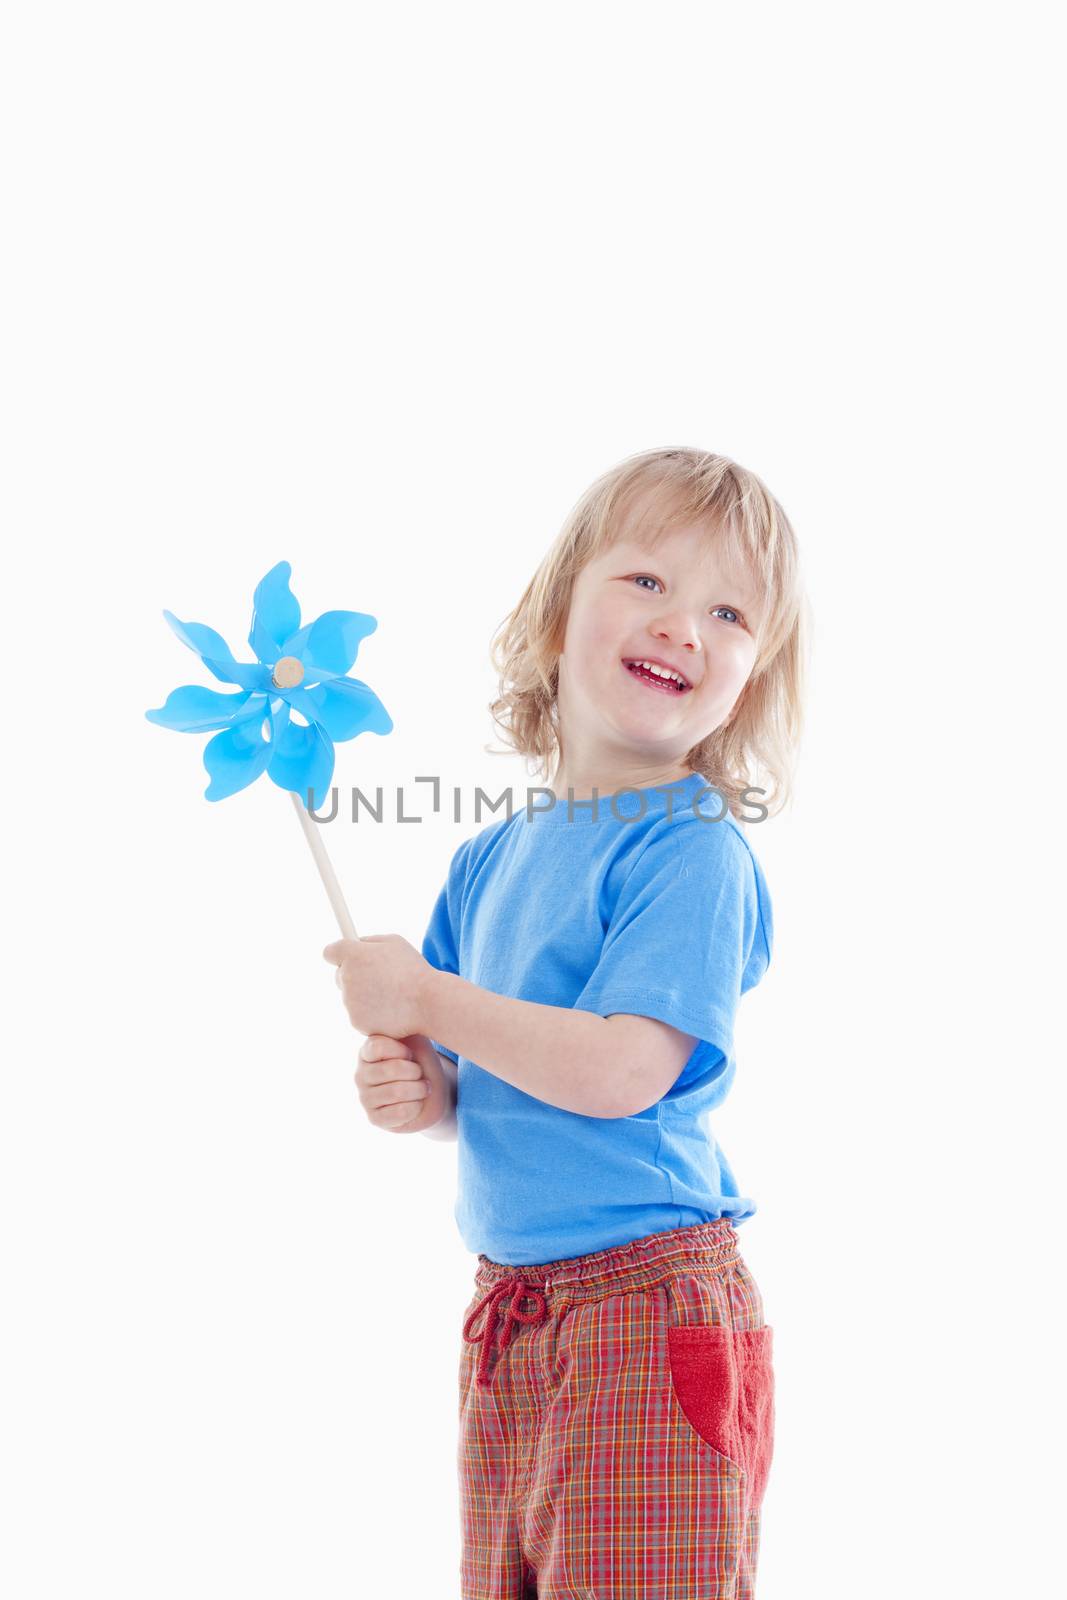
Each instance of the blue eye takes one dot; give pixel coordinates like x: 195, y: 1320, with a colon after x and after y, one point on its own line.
x: 730, y: 609
x: 641, y: 575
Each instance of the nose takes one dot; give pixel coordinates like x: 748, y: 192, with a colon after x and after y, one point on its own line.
x: 679, y: 628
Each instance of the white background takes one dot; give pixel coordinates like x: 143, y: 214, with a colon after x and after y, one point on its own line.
x: 379, y: 292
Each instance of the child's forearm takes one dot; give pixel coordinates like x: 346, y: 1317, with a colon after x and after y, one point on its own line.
x: 554, y: 1053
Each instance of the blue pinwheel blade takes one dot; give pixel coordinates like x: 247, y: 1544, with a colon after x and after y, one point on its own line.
x: 235, y: 757
x: 194, y: 709
x: 343, y: 707
x: 214, y: 652
x: 275, y: 614
x: 332, y: 641
x: 303, y: 759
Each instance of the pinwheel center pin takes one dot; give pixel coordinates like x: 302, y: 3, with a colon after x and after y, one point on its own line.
x: 288, y: 672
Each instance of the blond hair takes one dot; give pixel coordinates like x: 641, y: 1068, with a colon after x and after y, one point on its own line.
x: 745, y: 521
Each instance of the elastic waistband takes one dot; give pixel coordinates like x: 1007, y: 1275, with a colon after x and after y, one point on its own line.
x: 707, y: 1246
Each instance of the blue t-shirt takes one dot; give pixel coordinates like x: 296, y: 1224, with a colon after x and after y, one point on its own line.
x: 653, y: 908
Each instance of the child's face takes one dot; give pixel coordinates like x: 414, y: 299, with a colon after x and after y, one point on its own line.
x: 675, y: 603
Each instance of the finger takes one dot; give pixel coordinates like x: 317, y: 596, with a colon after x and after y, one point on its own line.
x: 392, y: 1094
x: 380, y: 1047
x: 373, y: 1074
x: 396, y: 1116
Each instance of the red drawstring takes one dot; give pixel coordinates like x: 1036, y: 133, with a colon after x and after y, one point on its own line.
x: 518, y: 1288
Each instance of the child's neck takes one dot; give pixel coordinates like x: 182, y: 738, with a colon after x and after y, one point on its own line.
x: 584, y: 777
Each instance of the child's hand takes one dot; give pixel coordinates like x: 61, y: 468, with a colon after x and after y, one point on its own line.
x: 402, y: 1085
x: 382, y: 979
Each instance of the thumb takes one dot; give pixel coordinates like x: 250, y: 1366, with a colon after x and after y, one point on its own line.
x: 422, y: 1050
x: 336, y: 952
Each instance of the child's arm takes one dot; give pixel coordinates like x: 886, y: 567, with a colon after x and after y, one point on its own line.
x: 596, y: 1066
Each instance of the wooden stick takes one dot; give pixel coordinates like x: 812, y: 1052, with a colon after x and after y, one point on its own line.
x: 313, y: 835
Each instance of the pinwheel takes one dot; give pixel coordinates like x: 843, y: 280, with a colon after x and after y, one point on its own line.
x: 290, y: 707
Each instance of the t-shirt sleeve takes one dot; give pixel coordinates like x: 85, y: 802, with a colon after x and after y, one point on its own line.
x: 687, y: 936
x: 440, y: 945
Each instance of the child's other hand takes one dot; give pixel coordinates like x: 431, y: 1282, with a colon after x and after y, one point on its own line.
x: 402, y: 1085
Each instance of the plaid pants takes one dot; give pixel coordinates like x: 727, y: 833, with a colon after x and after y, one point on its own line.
x: 616, y: 1423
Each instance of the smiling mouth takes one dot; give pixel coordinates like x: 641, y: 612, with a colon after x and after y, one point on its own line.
x: 664, y: 685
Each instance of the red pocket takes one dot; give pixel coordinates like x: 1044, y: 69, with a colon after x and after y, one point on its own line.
x: 723, y: 1379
